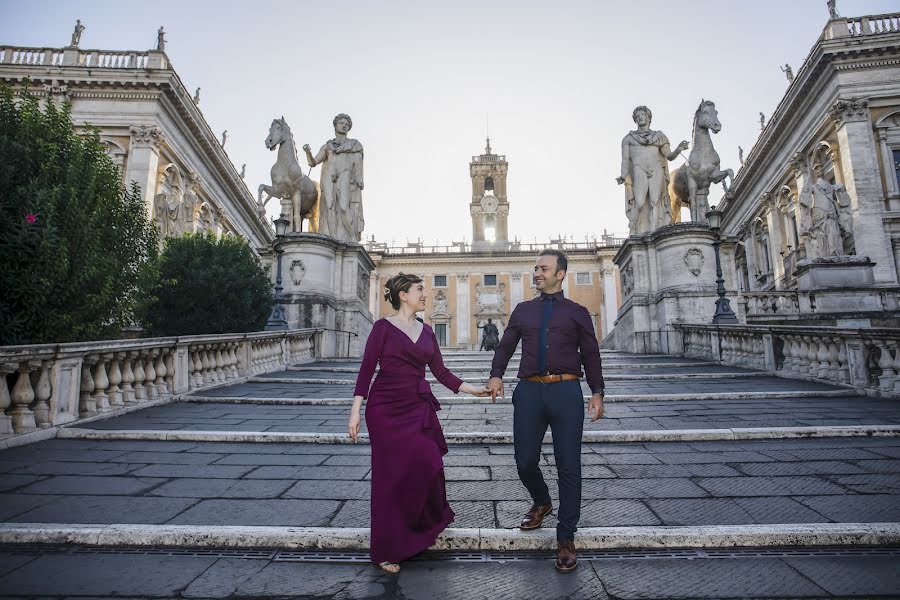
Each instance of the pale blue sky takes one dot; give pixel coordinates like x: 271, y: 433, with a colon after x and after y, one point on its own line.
x: 558, y: 79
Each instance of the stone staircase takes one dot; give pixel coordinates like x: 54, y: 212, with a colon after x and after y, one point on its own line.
x: 690, y: 454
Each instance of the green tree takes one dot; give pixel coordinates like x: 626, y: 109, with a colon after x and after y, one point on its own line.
x: 203, y: 285
x: 73, y: 238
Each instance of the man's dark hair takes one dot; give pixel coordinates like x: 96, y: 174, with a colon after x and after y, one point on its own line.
x: 562, y: 261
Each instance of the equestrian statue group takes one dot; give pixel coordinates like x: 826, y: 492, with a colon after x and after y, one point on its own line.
x: 654, y: 198
x: 332, y: 207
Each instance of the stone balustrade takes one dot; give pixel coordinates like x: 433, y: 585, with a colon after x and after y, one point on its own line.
x: 76, y: 57
x: 770, y: 303
x: 48, y: 385
x: 863, y: 358
x: 874, y: 24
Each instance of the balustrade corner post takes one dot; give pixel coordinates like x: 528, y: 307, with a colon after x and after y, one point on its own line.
x: 5, y: 400
x: 715, y: 345
x: 22, y: 397
x: 856, y: 359
x: 768, y: 342
x: 183, y: 366
x: 245, y: 358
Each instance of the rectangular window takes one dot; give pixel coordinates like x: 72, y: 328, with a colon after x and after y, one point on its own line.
x: 440, y: 281
x: 490, y: 280
x: 440, y: 331
x: 582, y: 278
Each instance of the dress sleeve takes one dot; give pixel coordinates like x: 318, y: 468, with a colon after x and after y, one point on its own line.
x: 507, y: 346
x: 590, y: 351
x: 440, y: 371
x: 374, y: 346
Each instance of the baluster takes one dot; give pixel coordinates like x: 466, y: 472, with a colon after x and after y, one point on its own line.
x: 812, y: 352
x: 204, y: 371
x: 220, y: 364
x: 789, y: 354
x: 834, y: 365
x: 896, y: 366
x: 87, y: 405
x: 233, y: 361
x: 822, y: 357
x: 170, y: 370
x: 128, y: 396
x: 22, y: 397
x: 886, y: 364
x: 160, y: 368
x: 196, y: 368
x: 5, y: 369
x: 842, y: 359
x: 140, y: 378
x: 115, y: 378
x: 42, y: 394
x: 150, y: 376
x: 101, y: 382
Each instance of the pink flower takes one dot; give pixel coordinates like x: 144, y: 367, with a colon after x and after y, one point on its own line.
x: 30, y: 218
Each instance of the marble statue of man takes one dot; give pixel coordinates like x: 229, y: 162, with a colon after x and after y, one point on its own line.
x: 788, y: 72
x: 76, y: 35
x: 832, y: 9
x: 340, y: 212
x: 819, y: 219
x: 645, y: 173
x: 161, y: 39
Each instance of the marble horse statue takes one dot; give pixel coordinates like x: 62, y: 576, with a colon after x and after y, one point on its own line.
x: 690, y: 182
x: 298, y: 193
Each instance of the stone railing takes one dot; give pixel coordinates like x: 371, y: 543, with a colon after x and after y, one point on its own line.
x: 770, y: 303
x: 461, y: 247
x: 76, y: 57
x: 874, y: 24
x: 863, y: 358
x: 61, y: 383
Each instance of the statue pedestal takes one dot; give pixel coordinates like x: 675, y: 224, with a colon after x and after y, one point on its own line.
x: 668, y: 276
x: 835, y: 272
x: 326, y: 284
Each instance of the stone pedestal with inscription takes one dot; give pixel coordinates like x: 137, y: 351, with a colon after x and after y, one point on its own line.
x: 668, y: 276
x: 326, y: 285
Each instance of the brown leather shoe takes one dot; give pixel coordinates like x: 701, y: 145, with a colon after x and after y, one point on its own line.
x: 535, y: 517
x: 566, y: 561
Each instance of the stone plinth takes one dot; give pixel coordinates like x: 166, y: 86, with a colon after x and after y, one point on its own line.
x: 835, y: 272
x: 668, y: 276
x: 326, y: 285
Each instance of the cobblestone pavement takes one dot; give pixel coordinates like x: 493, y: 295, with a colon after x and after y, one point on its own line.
x: 75, y: 573
x: 210, y: 484
x: 207, y: 483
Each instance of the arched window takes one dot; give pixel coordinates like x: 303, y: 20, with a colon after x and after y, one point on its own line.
x: 489, y: 184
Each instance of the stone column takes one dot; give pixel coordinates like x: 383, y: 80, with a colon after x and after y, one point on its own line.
x: 374, y: 296
x: 775, y: 242
x: 610, y: 299
x: 462, y: 310
x: 887, y: 168
x: 143, y: 162
x: 861, y: 178
x: 516, y: 293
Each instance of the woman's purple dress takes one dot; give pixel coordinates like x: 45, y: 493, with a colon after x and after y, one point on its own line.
x: 409, y: 501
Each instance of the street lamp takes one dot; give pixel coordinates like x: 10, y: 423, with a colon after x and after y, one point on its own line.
x: 723, y: 314
x: 277, y: 320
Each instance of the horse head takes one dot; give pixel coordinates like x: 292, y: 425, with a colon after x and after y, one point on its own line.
x: 707, y: 117
x: 279, y: 132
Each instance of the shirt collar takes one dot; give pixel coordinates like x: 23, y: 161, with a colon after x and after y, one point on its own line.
x: 554, y: 297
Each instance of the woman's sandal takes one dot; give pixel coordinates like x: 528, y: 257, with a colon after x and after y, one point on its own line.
x: 389, y: 567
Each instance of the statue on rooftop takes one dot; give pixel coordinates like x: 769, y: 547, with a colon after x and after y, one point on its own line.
x: 161, y: 39
x: 832, y: 9
x: 76, y: 35
x: 788, y: 72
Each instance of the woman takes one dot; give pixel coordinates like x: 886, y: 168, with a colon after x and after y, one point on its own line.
x: 409, y: 502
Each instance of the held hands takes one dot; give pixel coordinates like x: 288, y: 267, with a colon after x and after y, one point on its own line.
x: 495, y: 387
x: 595, y: 407
x: 468, y: 388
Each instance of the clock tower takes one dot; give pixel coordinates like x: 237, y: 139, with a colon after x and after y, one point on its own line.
x: 489, y: 207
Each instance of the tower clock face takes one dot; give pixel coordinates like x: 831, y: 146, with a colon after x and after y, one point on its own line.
x: 489, y: 204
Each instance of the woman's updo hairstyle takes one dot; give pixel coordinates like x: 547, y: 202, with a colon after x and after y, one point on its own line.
x: 401, y: 282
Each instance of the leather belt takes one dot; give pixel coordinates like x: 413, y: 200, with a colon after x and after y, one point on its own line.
x: 552, y: 378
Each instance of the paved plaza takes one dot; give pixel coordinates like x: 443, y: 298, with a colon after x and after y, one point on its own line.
x: 202, y: 466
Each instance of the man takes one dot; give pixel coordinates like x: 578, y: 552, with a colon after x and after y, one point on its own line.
x: 645, y: 173
x: 557, y: 339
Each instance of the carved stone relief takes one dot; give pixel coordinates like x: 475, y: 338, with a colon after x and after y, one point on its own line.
x: 440, y: 302
x: 298, y: 270
x: 694, y: 260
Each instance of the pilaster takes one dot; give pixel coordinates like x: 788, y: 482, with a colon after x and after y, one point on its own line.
x: 462, y: 310
x: 143, y: 161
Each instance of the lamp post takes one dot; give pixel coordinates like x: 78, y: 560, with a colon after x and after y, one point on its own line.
x: 724, y: 314
x: 277, y: 320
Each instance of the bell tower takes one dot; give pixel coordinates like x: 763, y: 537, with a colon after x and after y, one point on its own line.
x: 489, y: 207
